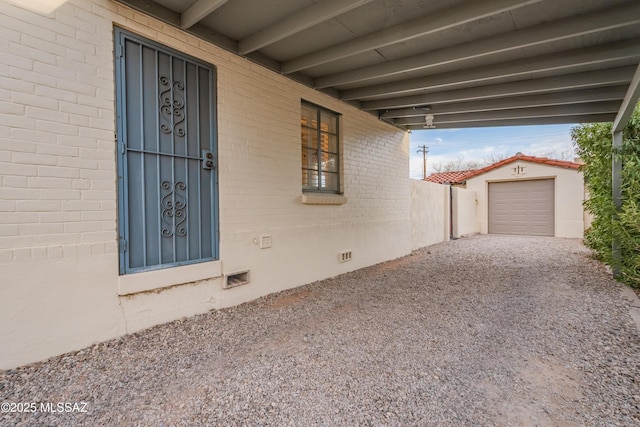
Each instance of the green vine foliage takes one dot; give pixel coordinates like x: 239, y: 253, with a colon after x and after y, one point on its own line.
x: 593, y: 144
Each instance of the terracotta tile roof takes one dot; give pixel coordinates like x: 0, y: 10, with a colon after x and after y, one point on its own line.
x: 448, y: 177
x: 457, y: 177
x: 520, y: 156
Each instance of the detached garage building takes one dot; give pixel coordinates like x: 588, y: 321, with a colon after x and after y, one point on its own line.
x: 530, y: 196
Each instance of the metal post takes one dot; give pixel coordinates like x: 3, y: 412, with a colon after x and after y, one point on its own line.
x: 616, y: 192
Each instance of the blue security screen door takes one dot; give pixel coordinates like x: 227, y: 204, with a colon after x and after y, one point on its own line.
x: 167, y: 156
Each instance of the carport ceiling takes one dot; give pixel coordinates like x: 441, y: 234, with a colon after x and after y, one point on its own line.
x: 466, y: 62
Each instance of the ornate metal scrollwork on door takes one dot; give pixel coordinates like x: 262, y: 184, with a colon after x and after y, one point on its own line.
x: 171, y: 106
x: 174, y: 209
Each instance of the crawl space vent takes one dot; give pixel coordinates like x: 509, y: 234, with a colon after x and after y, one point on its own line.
x: 344, y: 256
x: 236, y: 279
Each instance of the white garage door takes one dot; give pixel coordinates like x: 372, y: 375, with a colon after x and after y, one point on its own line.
x: 522, y: 207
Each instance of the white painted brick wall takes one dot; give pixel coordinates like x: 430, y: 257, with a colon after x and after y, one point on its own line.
x: 58, y: 189
x: 51, y: 128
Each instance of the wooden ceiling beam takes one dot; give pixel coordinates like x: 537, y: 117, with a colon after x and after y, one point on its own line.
x: 607, y: 107
x: 612, y: 93
x: 437, y: 21
x: 521, y: 67
x: 590, y: 79
x: 628, y: 103
x: 549, y: 32
x: 584, y: 118
x: 297, y: 22
x: 198, y: 11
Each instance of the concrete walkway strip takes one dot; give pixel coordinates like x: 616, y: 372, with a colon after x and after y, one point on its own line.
x: 481, y: 331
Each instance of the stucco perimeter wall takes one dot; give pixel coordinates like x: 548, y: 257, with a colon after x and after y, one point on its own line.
x: 59, y: 283
x: 429, y: 213
x: 569, y: 194
x: 464, y: 212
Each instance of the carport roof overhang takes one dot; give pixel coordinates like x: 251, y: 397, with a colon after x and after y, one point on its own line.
x: 467, y: 63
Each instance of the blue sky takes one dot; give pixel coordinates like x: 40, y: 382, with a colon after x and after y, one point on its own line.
x: 479, y: 143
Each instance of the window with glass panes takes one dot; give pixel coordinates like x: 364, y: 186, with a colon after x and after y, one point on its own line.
x: 320, y: 158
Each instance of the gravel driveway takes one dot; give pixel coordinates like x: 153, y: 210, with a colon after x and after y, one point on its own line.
x: 485, y: 330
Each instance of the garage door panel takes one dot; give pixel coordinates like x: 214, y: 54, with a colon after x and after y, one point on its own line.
x: 522, y: 207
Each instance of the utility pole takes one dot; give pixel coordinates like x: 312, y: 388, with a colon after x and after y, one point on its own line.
x: 424, y: 150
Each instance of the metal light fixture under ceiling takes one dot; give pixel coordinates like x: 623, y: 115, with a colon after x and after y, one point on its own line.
x: 428, y: 121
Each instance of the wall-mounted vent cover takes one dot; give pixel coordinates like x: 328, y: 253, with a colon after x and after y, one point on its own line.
x: 232, y: 280
x: 344, y: 256
x: 265, y: 242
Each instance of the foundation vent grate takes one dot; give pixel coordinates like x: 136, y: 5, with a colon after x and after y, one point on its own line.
x: 236, y: 279
x: 344, y: 256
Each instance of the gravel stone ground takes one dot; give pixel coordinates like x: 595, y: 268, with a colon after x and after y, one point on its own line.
x: 481, y: 331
